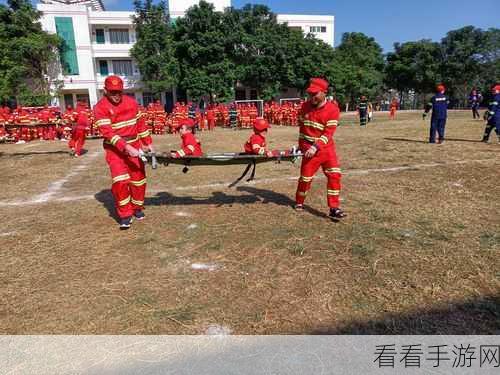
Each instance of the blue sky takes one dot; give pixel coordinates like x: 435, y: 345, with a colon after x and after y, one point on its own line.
x: 388, y: 21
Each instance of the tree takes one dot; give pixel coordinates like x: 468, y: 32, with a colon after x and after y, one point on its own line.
x: 202, y: 51
x: 414, y: 66
x: 358, y: 65
x: 27, y: 55
x: 462, y: 50
x: 154, y: 50
x: 489, y: 60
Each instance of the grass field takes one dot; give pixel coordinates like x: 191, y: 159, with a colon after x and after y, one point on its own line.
x: 418, y: 253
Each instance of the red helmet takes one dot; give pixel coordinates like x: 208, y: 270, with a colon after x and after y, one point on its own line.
x: 189, y: 123
x: 113, y: 83
x: 316, y: 85
x: 440, y: 88
x: 260, y: 125
x: 496, y: 88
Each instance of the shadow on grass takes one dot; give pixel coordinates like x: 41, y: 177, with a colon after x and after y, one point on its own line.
x: 217, y: 198
x: 419, y: 141
x: 463, y: 140
x: 405, y: 140
x: 475, y: 317
x: 22, y: 154
x: 269, y: 196
x: 106, y: 198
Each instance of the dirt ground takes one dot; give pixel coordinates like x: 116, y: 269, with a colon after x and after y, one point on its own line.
x: 418, y: 253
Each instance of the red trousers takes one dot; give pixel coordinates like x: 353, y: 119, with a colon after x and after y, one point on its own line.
x: 326, y: 159
x: 77, y: 141
x: 129, y: 181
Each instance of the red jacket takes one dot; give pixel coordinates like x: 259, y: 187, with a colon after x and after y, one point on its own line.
x: 191, y: 146
x: 121, y: 124
x: 256, y: 145
x: 317, y: 125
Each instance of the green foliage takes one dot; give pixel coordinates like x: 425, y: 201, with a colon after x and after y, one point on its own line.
x: 217, y: 51
x: 414, y: 66
x: 358, y: 66
x: 155, y: 47
x: 203, y: 51
x: 27, y: 55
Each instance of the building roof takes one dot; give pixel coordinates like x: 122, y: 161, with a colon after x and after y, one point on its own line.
x: 95, y: 4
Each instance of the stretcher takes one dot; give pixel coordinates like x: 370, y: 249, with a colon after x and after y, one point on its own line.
x: 222, y: 159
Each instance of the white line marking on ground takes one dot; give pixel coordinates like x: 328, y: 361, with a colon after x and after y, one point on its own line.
x: 354, y: 172
x: 216, y: 330
x: 8, y: 234
x: 55, y: 187
x: 210, y: 267
x: 182, y: 214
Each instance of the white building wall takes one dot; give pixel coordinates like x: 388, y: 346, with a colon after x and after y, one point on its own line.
x: 89, y: 52
x: 308, y: 23
x: 178, y: 8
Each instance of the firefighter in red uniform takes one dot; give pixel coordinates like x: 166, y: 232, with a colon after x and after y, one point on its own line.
x: 191, y: 146
x: 124, y: 133
x: 79, y: 130
x: 211, y: 118
x: 256, y: 145
x: 318, y: 120
x: 394, y: 108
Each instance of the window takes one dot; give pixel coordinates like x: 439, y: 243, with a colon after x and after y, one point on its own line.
x: 317, y: 29
x: 103, y: 67
x: 119, y: 36
x: 147, y: 98
x: 122, y: 67
x: 83, y: 98
x: 68, y: 100
x: 69, y: 59
x: 99, y: 36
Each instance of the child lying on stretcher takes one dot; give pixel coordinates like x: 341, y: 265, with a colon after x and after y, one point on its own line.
x: 191, y: 146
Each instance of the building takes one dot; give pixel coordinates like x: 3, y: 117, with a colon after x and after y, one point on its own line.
x: 322, y: 27
x: 178, y: 8
x: 99, y: 43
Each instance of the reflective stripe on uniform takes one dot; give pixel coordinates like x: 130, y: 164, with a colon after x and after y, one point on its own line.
x: 137, y: 203
x: 313, y: 124
x: 307, y: 138
x: 190, y: 147
x: 133, y: 140
x: 332, y: 123
x: 123, y: 124
x: 114, y: 140
x: 138, y: 183
x: 333, y: 170
x: 333, y: 192
x: 306, y: 179
x: 143, y: 134
x: 302, y: 193
x: 103, y: 122
x: 262, y: 151
x: 324, y: 139
x: 123, y: 177
x: 124, y: 202
x: 181, y: 153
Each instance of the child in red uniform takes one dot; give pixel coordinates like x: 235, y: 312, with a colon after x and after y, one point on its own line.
x: 191, y: 146
x: 256, y: 145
